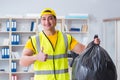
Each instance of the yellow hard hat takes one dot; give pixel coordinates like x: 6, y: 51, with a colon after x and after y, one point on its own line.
x: 48, y: 11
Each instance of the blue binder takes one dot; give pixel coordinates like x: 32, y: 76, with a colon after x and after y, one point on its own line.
x: 32, y: 26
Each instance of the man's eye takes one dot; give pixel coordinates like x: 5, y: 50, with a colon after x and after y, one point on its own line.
x: 51, y: 18
x: 43, y: 19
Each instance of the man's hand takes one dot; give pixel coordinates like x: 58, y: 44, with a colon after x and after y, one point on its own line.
x: 96, y: 41
x: 41, y: 56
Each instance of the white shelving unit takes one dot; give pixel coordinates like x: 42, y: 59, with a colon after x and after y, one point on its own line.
x: 4, y: 36
x: 23, y: 31
x: 78, y: 28
x: 17, y: 30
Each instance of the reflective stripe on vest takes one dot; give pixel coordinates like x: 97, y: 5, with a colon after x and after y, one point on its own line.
x: 57, y: 56
x: 43, y: 72
x: 38, y: 43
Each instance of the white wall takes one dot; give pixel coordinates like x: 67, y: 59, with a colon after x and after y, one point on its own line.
x: 118, y: 49
x: 98, y: 9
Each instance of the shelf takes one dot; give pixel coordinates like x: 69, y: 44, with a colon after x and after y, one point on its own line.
x: 4, y: 59
x: 76, y: 19
x: 19, y: 45
x: 4, y: 32
x: 24, y: 32
x: 76, y: 32
x: 22, y: 72
x: 15, y: 59
x: 4, y: 45
x: 5, y: 73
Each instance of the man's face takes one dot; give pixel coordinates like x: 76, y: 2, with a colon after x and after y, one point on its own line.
x: 48, y: 21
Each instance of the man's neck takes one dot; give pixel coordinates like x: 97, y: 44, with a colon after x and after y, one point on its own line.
x: 49, y: 33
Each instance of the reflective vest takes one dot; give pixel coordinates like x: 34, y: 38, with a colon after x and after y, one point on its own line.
x: 56, y: 65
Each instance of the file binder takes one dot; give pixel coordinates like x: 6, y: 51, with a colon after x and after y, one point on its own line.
x: 13, y: 66
x: 14, y: 77
x: 32, y: 26
x: 8, y: 25
x: 15, y: 39
x: 13, y: 25
x: 5, y: 53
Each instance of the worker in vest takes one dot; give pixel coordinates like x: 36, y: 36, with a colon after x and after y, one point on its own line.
x: 48, y: 50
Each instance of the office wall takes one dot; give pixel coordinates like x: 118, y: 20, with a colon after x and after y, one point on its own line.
x: 98, y: 9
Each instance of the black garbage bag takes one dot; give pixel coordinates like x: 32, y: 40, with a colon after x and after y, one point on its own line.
x: 94, y: 64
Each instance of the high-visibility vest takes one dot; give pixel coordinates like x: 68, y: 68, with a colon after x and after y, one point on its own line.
x: 56, y: 65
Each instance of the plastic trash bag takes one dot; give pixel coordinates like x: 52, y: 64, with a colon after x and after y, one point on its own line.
x: 94, y: 64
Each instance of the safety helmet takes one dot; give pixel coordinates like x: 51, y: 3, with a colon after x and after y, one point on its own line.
x: 48, y: 11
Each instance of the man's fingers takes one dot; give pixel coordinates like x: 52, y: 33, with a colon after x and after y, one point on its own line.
x: 46, y: 56
x: 97, y: 41
x: 41, y: 49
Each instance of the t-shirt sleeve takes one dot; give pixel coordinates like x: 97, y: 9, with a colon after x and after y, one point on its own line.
x: 73, y: 43
x: 29, y: 45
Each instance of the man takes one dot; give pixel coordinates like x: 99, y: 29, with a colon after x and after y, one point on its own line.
x: 48, y: 50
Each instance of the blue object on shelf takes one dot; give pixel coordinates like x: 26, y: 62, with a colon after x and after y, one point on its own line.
x: 5, y: 53
x: 13, y: 25
x: 15, y: 39
x: 74, y: 29
x: 76, y: 17
x: 13, y: 68
x: 32, y: 26
x: 8, y: 25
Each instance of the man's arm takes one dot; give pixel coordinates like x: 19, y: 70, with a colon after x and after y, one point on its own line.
x: 27, y: 57
x: 80, y: 47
